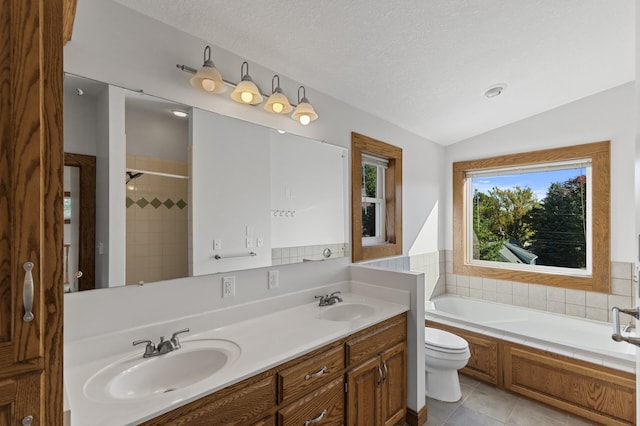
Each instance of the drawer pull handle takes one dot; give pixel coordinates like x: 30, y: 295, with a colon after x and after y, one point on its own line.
x: 27, y: 292
x: 317, y: 373
x: 386, y: 371
x: 317, y: 419
x: 380, y: 375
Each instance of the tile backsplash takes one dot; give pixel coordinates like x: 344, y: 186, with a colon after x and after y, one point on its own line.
x: 576, y: 303
x: 440, y: 279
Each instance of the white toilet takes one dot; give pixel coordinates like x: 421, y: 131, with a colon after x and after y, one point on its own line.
x: 444, y: 354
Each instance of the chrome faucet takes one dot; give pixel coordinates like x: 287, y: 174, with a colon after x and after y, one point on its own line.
x: 329, y: 299
x: 164, y: 346
x: 627, y: 328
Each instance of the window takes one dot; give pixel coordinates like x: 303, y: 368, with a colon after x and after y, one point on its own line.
x: 374, y: 229
x: 540, y: 217
x: 376, y: 196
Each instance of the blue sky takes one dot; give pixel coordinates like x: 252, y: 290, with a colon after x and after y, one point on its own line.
x: 539, y: 182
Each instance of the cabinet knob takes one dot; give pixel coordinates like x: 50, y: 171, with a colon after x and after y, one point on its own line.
x: 317, y: 419
x: 317, y: 373
x: 27, y: 293
x: 27, y: 421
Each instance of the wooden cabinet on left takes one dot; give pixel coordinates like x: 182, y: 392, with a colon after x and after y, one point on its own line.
x: 31, y: 222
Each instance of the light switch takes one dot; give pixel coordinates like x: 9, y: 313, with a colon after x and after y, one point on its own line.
x: 260, y: 242
x: 249, y: 242
x: 217, y: 244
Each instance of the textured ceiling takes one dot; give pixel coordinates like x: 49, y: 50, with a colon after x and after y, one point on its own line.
x: 424, y: 65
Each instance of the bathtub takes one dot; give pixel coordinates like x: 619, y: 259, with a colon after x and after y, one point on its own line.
x: 577, y: 338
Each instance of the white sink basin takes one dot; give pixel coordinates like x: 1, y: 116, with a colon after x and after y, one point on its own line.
x: 347, y: 312
x: 135, y: 377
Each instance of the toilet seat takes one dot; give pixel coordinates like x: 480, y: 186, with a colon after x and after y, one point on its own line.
x: 443, y: 341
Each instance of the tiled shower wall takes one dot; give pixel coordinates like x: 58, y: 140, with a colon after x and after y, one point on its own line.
x: 439, y: 279
x: 285, y: 255
x: 157, y: 215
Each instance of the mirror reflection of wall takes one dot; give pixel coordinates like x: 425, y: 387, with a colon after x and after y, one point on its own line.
x: 157, y: 200
x: 201, y: 194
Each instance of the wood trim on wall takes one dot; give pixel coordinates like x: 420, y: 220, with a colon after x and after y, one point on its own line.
x: 599, y: 152
x: 87, y: 225
x: 69, y: 16
x: 361, y: 144
x: 417, y: 418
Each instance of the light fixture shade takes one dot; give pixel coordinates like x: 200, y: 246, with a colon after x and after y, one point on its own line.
x: 208, y: 78
x: 246, y: 92
x: 304, y: 112
x: 278, y: 103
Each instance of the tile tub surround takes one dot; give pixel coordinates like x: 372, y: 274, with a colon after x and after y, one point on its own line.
x: 575, y: 303
x: 304, y: 332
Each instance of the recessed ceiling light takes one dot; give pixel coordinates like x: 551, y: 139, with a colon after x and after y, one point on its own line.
x: 495, y: 90
x: 180, y: 114
x: 79, y: 91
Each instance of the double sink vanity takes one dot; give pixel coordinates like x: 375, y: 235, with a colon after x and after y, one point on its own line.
x: 306, y: 364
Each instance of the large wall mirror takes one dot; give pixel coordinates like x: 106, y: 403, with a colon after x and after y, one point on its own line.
x: 183, y: 192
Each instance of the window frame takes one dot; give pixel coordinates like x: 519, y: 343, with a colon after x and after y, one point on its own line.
x: 392, y: 246
x: 599, y: 279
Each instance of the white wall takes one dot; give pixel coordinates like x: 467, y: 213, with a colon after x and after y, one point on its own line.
x: 80, y: 138
x: 226, y: 197
x: 151, y: 134
x: 608, y: 115
x: 123, y: 57
x: 312, y: 188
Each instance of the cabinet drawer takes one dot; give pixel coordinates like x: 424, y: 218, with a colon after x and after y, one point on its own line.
x: 369, y: 344
x: 326, y: 406
x: 238, y: 405
x: 301, y: 378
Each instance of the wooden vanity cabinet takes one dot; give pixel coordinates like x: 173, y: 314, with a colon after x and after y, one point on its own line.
x: 311, y: 388
x: 377, y: 387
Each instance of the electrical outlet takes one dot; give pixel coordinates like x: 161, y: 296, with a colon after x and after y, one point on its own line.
x: 228, y: 286
x: 274, y: 279
x: 259, y: 242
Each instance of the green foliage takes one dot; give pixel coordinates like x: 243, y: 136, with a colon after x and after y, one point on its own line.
x: 560, y: 225
x: 554, y: 229
x: 501, y: 216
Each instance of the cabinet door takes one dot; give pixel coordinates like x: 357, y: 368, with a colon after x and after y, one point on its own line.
x: 363, y: 394
x: 31, y: 222
x: 393, y: 394
x: 19, y: 399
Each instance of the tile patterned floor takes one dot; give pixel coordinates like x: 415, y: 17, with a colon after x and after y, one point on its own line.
x: 484, y: 405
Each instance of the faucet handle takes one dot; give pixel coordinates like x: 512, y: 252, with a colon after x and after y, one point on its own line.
x: 337, y: 297
x: 149, y: 349
x: 174, y: 338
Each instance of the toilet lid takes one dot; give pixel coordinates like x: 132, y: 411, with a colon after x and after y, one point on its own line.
x: 443, y: 339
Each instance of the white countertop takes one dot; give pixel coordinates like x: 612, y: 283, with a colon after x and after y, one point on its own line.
x: 264, y: 341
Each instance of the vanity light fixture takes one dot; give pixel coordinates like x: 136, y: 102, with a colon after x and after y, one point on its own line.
x: 277, y: 102
x: 246, y: 92
x: 304, y: 112
x: 208, y: 78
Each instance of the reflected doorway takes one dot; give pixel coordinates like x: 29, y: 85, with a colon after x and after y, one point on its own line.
x: 80, y: 222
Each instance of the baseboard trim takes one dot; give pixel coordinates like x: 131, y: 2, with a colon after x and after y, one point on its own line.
x: 418, y: 418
